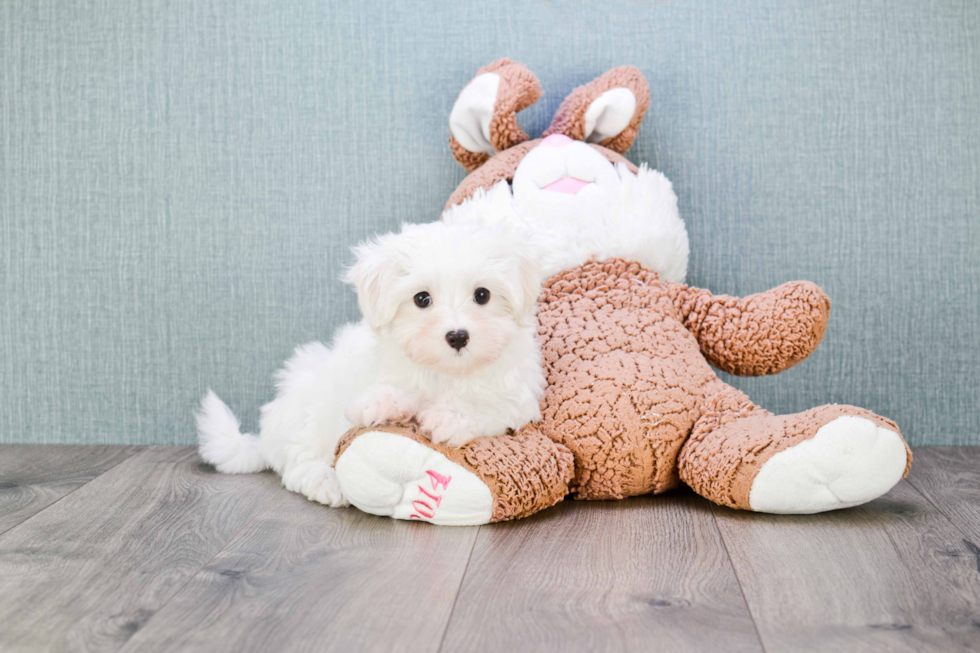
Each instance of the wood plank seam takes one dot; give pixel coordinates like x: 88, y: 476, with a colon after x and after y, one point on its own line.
x: 724, y: 544
x: 462, y: 578
x: 135, y: 450
x: 640, y: 574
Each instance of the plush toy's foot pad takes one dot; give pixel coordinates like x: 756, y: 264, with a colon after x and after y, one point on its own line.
x: 849, y: 461
x: 387, y: 474
x: 396, y: 470
x: 825, y: 458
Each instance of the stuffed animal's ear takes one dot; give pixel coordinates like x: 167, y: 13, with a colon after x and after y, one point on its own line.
x: 373, y: 274
x: 484, y: 119
x: 608, y: 110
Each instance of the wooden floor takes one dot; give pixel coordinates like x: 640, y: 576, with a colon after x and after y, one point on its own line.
x: 147, y: 549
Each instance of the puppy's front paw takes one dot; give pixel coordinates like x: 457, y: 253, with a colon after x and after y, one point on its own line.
x: 380, y: 404
x: 317, y: 481
x: 446, y: 427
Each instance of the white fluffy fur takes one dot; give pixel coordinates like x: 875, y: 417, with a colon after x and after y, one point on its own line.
x: 619, y: 214
x: 396, y: 363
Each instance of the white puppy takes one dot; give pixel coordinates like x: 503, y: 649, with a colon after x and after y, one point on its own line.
x: 448, y: 338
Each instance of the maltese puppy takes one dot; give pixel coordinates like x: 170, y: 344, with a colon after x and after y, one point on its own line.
x: 447, y: 339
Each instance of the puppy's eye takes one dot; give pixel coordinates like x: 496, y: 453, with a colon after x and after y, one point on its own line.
x: 423, y: 300
x: 481, y: 296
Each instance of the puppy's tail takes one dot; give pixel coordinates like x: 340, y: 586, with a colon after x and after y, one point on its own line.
x: 221, y: 442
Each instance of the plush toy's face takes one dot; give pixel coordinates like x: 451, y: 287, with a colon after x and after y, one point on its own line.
x: 573, y: 190
x: 562, y: 177
x: 593, y: 127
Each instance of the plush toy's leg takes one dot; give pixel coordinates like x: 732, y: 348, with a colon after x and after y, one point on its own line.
x: 395, y: 471
x: 822, y: 459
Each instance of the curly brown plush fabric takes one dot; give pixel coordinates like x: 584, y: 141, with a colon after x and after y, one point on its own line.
x: 624, y: 377
x: 734, y: 438
x: 759, y: 334
x: 570, y: 117
x: 518, y: 89
x: 469, y: 160
x: 631, y: 394
x: 526, y: 472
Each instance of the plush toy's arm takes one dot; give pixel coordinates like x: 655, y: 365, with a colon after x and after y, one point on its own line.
x: 760, y: 334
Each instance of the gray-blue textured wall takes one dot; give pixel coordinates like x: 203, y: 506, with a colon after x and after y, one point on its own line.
x: 181, y: 181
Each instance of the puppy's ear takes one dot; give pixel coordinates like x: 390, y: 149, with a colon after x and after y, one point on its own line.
x: 373, y: 275
x: 528, y: 289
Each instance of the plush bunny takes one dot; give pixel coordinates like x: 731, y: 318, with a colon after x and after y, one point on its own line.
x: 632, y: 405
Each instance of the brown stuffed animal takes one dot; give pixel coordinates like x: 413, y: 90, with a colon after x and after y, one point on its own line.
x: 632, y: 405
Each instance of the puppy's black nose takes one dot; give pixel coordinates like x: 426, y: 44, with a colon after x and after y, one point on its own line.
x: 458, y: 339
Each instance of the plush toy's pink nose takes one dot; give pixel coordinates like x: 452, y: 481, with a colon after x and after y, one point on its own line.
x: 557, y: 140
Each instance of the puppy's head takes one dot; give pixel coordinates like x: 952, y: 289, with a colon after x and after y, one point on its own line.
x: 451, y: 296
